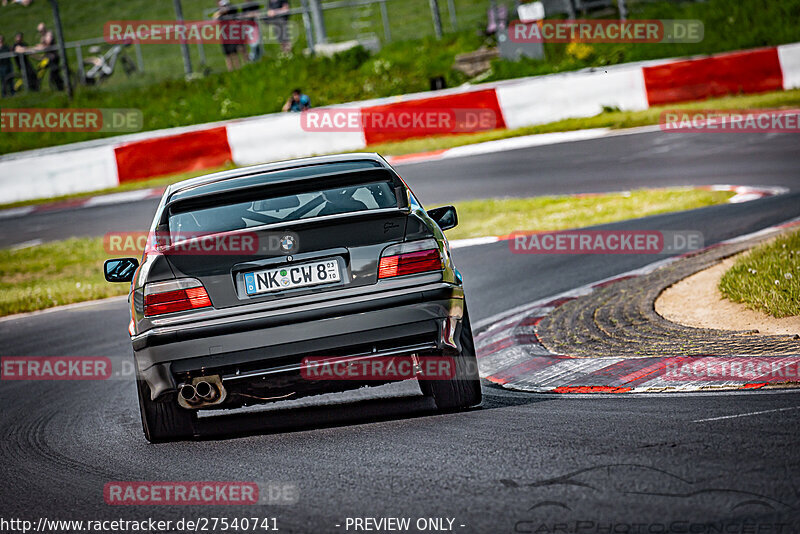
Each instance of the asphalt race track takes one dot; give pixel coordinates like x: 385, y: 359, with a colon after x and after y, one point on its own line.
x: 652, y: 159
x: 520, y: 463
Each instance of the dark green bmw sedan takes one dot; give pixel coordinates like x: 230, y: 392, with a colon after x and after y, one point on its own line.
x: 293, y: 279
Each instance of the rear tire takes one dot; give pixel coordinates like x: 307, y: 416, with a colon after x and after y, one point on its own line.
x: 163, y: 420
x: 463, y: 391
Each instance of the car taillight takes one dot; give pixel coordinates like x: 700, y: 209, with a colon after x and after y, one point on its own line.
x: 410, y: 258
x: 174, y: 296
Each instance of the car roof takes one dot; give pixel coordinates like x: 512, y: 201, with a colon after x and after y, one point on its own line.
x: 225, y: 180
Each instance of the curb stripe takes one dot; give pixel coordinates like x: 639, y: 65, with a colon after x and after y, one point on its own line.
x: 529, y: 366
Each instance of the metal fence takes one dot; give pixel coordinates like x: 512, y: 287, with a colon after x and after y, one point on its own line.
x: 373, y: 23
x: 82, y: 55
x: 385, y: 20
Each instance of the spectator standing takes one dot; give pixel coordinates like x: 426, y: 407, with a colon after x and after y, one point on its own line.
x: 234, y: 56
x: 23, y: 63
x: 278, y: 13
x: 256, y: 49
x: 48, y: 45
x: 297, y: 102
x: 6, y: 70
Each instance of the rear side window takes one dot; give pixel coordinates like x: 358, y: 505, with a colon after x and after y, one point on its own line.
x: 283, y: 209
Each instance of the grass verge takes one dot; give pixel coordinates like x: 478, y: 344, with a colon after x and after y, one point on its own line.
x: 54, y: 274
x: 503, y: 216
x: 69, y: 271
x: 612, y: 119
x: 767, y: 279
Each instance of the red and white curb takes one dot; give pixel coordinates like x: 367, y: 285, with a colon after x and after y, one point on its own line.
x: 511, y: 355
x: 744, y: 193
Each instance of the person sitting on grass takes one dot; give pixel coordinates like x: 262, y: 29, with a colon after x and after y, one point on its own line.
x: 297, y: 102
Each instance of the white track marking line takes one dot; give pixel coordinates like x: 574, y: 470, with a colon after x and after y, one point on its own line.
x: 526, y: 141
x: 745, y: 414
x: 26, y: 244
x: 472, y: 241
x: 118, y: 198
x: 16, y: 212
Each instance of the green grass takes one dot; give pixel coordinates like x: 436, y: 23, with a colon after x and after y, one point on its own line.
x: 85, y: 20
x: 729, y: 25
x: 53, y: 274
x: 403, y: 66
x: 615, y: 119
x: 69, y: 271
x: 255, y: 89
x: 504, y: 216
x: 767, y: 278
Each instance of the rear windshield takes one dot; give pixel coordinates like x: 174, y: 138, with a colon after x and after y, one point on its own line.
x: 362, y: 197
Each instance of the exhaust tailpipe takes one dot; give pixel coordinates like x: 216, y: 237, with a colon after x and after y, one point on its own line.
x: 202, y: 392
x: 206, y: 391
x: 189, y: 394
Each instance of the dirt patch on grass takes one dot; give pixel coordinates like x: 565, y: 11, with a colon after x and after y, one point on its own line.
x: 695, y: 301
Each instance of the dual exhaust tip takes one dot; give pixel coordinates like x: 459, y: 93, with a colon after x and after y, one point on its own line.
x: 205, y: 391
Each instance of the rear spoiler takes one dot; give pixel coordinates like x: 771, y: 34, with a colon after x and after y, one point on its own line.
x: 289, y: 186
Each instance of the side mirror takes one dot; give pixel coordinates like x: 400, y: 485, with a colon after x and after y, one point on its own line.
x: 120, y: 269
x: 446, y: 217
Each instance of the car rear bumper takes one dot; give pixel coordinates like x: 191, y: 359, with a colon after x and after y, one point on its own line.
x: 409, y: 319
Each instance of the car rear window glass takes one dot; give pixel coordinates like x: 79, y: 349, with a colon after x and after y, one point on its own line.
x: 282, y: 209
x: 318, y: 169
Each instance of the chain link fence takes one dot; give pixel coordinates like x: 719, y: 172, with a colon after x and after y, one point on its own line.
x: 316, y: 25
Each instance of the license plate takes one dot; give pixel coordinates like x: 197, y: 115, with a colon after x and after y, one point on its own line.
x: 291, y: 276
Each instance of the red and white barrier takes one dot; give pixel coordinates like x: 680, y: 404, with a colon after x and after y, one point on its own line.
x: 50, y: 173
x: 752, y: 71
x: 515, y: 103
x: 188, y: 151
x: 277, y: 137
x: 789, y: 58
x: 580, y: 94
